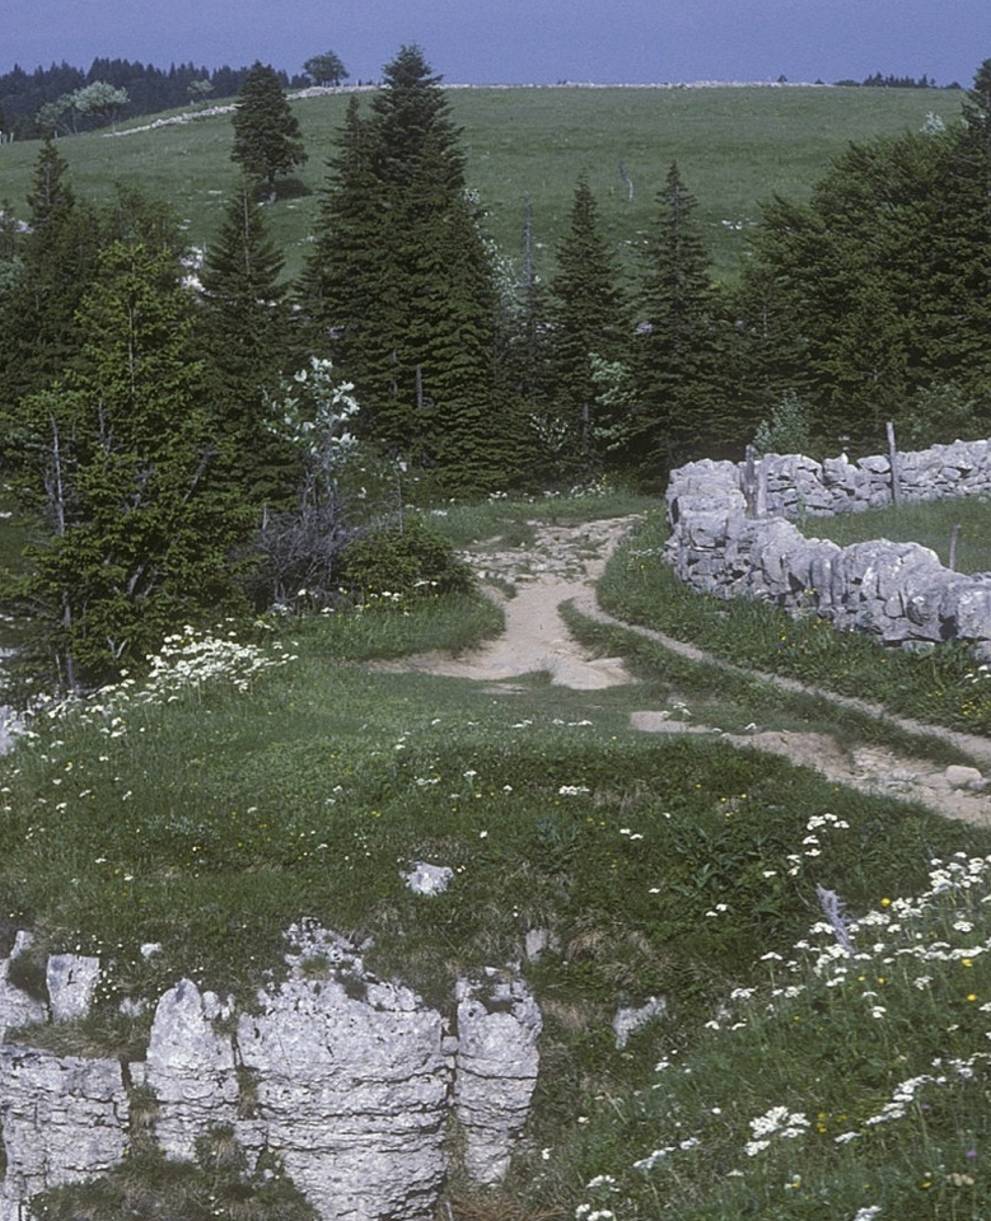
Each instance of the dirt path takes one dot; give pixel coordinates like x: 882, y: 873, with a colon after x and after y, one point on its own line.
x: 563, y: 565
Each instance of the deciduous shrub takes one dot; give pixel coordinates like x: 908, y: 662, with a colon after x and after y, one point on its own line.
x: 404, y: 559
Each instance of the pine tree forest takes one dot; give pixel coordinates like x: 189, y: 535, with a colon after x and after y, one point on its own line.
x: 152, y: 414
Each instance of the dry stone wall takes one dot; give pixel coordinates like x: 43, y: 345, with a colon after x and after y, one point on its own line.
x: 898, y: 592
x: 351, y: 1080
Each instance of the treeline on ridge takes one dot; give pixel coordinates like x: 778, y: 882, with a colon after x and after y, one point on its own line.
x: 149, y: 89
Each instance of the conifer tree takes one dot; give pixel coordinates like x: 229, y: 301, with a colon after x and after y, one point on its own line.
x: 404, y: 283
x: 244, y: 328
x: 338, y: 290
x: 268, y: 143
x: 50, y: 189
x: 681, y: 408
x: 37, y: 315
x: 410, y: 110
x: 140, y: 531
x: 587, y: 314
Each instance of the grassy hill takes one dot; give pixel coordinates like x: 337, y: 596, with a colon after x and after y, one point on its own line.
x: 207, y: 819
x: 736, y: 147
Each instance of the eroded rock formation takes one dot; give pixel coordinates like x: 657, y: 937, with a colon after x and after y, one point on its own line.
x: 348, y: 1078
x: 499, y: 1025
x: 63, y: 1118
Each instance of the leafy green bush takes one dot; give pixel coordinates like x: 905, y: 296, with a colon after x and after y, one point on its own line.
x: 403, y: 560
x: 790, y: 429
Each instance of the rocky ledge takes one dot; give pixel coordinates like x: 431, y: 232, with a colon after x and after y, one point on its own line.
x: 351, y: 1080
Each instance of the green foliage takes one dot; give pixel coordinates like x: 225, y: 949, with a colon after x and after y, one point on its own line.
x: 326, y: 69
x: 403, y: 561
x: 100, y: 99
x: 789, y: 429
x: 400, y: 285
x: 268, y: 143
x: 58, y: 261
x: 120, y: 460
x: 243, y: 326
x: 875, y: 285
x: 681, y: 410
x: 940, y: 413
x: 589, y: 325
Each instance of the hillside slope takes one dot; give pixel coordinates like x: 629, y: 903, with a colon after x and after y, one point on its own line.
x: 736, y: 147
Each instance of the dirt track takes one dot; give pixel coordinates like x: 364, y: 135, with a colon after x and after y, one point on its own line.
x: 564, y: 564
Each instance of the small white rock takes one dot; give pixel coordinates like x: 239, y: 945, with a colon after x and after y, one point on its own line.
x: 628, y: 1021
x: 424, y: 879
x: 72, y: 981
x: 960, y: 777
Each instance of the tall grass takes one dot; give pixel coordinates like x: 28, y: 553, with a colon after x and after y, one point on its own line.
x: 944, y: 687
x: 929, y: 524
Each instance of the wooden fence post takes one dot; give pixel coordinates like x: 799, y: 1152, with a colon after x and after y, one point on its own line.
x: 750, y: 481
x: 896, y: 487
x: 954, y: 539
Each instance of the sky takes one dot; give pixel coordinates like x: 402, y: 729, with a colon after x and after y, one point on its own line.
x: 518, y: 41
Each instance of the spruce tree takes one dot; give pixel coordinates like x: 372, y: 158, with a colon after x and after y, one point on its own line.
x: 244, y: 329
x: 37, y: 314
x: 876, y: 290
x: 338, y: 290
x: 50, y: 190
x: 268, y: 143
x: 681, y: 404
x: 140, y: 530
x: 587, y: 312
x: 403, y: 281
x: 410, y: 110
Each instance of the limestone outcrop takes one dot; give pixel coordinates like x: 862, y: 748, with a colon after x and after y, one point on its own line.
x: 352, y: 1077
x: 499, y: 1026
x: 349, y: 1078
x: 190, y: 1069
x: 17, y: 1007
x: 63, y: 1119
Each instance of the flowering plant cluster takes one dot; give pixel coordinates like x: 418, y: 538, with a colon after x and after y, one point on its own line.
x: 188, y: 661
x: 903, y: 990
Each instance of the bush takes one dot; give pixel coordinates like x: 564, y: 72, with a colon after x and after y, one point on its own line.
x: 789, y: 430
x: 297, y: 554
x: 403, y: 560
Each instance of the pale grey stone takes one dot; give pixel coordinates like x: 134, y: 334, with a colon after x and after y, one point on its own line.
x: 190, y: 1070
x: 536, y: 943
x: 499, y: 1026
x: 629, y: 1020
x: 64, y: 1119
x: 150, y: 949
x: 426, y: 879
x: 351, y: 1082
x: 72, y: 980
x: 960, y: 777
x: 897, y: 592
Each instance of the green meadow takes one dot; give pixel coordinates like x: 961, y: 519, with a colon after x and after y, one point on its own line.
x: 736, y: 147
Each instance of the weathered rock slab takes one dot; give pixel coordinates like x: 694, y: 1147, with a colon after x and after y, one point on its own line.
x: 499, y: 1026
x: 64, y: 1119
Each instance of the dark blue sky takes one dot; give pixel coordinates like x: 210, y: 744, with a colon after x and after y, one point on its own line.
x: 522, y: 40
